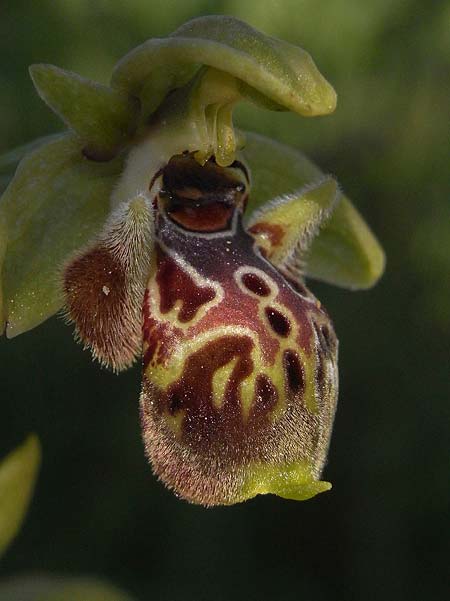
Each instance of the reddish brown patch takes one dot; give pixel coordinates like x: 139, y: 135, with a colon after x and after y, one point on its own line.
x: 86, y: 277
x: 255, y: 284
x: 175, y: 284
x: 97, y: 300
x: 275, y: 233
x: 208, y: 218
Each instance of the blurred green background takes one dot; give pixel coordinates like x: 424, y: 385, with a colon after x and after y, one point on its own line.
x: 380, y: 533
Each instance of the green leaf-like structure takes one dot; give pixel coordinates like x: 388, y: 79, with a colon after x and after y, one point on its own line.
x: 53, y: 588
x: 18, y: 472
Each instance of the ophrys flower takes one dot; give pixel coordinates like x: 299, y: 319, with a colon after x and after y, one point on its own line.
x: 166, y: 233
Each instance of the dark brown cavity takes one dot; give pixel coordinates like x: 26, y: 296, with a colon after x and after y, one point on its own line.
x: 209, y: 218
x: 278, y: 322
x: 200, y: 198
x: 255, y: 284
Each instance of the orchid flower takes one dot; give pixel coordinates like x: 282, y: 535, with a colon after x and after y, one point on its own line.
x: 163, y: 232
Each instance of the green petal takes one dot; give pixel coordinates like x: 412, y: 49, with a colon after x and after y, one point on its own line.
x: 52, y: 588
x: 56, y: 203
x: 102, y: 117
x: 18, y: 472
x: 285, y: 74
x: 345, y: 252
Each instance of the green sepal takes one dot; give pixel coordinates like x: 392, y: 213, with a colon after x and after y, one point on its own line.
x: 9, y: 160
x: 104, y: 118
x: 345, y: 252
x: 54, y: 588
x: 4, y: 181
x: 291, y: 481
x: 56, y: 203
x: 284, y: 74
x: 18, y: 472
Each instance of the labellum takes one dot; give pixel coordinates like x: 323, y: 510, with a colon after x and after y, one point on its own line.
x: 239, y: 357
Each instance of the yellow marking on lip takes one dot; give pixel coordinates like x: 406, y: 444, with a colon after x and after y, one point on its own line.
x: 175, y: 422
x: 164, y: 376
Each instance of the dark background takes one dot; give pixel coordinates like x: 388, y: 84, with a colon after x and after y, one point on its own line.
x: 381, y: 532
